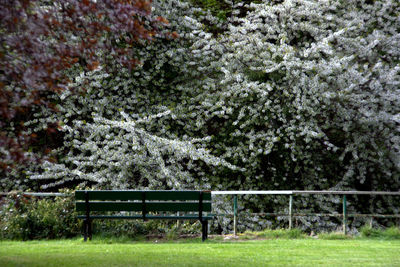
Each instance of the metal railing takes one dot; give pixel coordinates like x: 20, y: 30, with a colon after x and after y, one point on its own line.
x: 292, y: 193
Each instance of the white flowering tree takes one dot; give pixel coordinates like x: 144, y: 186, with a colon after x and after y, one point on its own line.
x: 290, y: 95
x: 310, y: 96
x: 122, y: 132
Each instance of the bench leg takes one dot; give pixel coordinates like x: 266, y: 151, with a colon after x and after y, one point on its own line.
x: 204, y: 229
x: 90, y: 230
x: 85, y: 230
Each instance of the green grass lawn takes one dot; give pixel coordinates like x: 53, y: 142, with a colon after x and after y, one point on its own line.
x: 300, y: 252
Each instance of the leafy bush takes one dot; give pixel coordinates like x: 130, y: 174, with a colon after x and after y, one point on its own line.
x: 334, y: 236
x: 278, y: 233
x: 119, y: 228
x: 389, y: 233
x: 283, y: 233
x: 367, y: 231
x: 137, y: 228
x: 24, y: 218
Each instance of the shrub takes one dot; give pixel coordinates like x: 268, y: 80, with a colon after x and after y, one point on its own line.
x: 27, y: 218
x: 281, y: 233
x: 392, y: 233
x: 334, y: 236
x: 389, y: 233
x: 367, y: 231
x: 137, y: 228
x: 119, y: 228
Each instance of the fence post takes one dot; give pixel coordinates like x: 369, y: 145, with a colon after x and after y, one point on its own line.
x: 235, y: 214
x: 344, y: 214
x: 290, y: 211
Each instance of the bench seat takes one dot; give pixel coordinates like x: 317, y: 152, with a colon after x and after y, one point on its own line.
x: 143, y: 204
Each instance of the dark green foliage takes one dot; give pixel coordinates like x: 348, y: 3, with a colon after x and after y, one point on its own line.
x: 136, y: 229
x: 334, y: 236
x: 221, y: 9
x: 26, y: 218
x: 389, y: 233
x: 121, y: 228
x: 278, y: 233
x: 218, y: 8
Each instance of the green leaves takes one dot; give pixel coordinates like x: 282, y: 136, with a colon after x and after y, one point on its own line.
x: 25, y: 218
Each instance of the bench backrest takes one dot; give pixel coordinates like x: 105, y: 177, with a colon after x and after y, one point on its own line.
x: 139, y: 201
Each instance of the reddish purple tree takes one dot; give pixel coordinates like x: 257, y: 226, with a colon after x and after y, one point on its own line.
x: 40, y: 40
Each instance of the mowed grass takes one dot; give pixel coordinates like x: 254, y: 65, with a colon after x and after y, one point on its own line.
x: 272, y: 252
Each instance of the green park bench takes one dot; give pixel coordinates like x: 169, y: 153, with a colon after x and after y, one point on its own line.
x: 145, y: 205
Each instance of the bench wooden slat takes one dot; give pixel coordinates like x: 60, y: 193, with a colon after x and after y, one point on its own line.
x: 185, y: 217
x: 137, y: 195
x: 138, y: 206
